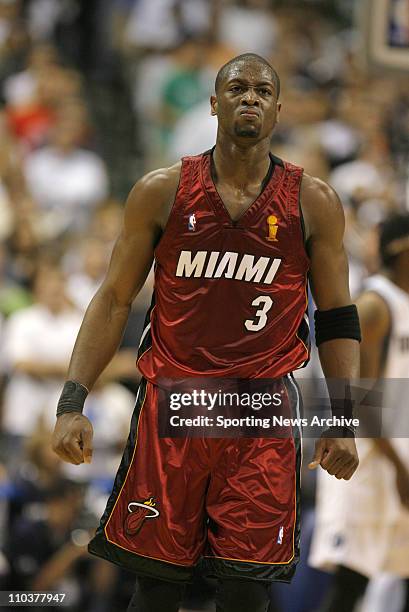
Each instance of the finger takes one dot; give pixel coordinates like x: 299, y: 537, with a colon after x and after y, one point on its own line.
x: 58, y: 450
x: 314, y: 464
x: 72, y: 449
x: 330, y: 460
x: 350, y: 468
x: 351, y: 472
x: 318, y: 455
x: 86, y: 440
x: 336, y: 466
x: 343, y: 471
x: 67, y: 457
x: 61, y: 452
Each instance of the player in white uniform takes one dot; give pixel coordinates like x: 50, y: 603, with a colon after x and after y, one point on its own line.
x: 362, y: 528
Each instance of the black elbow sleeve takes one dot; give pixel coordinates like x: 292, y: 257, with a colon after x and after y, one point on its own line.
x: 335, y: 323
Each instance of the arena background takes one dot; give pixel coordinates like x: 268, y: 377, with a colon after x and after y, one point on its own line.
x: 93, y: 94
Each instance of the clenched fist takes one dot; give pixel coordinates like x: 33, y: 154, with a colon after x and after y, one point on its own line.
x: 338, y: 456
x: 72, y: 438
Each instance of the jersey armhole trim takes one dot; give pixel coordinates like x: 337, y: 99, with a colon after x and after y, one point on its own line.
x: 186, y: 174
x: 302, y: 224
x: 296, y: 222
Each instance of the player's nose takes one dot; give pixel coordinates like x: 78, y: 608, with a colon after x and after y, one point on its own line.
x: 250, y: 97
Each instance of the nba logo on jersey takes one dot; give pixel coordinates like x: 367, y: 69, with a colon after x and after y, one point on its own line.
x: 280, y: 535
x: 192, y: 223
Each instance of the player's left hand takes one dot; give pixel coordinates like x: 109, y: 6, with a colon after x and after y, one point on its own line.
x: 338, y: 456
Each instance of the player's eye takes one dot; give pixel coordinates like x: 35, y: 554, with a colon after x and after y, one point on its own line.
x: 236, y: 88
x: 265, y: 92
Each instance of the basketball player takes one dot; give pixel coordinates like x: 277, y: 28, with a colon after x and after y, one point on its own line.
x: 232, y: 249
x: 374, y: 537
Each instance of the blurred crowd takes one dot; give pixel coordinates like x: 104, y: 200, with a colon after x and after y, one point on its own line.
x: 93, y: 94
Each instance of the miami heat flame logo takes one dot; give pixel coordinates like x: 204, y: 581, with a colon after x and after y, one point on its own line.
x: 272, y: 228
x: 139, y: 511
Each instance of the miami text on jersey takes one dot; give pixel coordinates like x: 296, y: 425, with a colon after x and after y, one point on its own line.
x: 214, y: 264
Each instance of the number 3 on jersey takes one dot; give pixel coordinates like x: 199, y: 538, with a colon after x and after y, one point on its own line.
x: 266, y: 303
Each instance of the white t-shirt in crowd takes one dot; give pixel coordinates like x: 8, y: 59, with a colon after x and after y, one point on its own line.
x: 70, y: 184
x: 194, y: 133
x: 81, y: 288
x: 35, y: 334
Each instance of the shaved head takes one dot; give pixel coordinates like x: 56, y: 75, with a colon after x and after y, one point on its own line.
x: 246, y: 58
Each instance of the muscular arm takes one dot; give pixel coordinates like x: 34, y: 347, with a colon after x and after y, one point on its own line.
x: 325, y: 224
x: 329, y: 282
x: 146, y: 213
x: 105, y: 319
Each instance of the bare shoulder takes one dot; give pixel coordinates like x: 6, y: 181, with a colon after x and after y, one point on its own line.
x: 321, y: 207
x: 160, y: 184
x: 161, y: 180
x: 153, y: 195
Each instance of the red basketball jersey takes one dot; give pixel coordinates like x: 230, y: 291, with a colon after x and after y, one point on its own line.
x: 230, y: 296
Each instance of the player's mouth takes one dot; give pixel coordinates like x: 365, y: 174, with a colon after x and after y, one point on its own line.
x: 249, y: 113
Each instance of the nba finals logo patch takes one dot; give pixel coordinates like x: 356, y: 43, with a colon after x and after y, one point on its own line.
x: 192, y: 223
x: 272, y: 228
x: 139, y: 511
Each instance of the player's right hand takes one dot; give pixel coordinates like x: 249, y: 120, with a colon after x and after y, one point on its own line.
x: 72, y: 438
x: 337, y: 456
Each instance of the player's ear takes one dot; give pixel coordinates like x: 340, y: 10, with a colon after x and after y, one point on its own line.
x: 213, y: 105
x: 278, y: 112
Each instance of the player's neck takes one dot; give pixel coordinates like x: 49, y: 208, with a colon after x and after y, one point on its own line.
x: 239, y: 165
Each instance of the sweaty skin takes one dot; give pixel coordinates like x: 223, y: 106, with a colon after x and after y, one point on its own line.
x: 247, y: 110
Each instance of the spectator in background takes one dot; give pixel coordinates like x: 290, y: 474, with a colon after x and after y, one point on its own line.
x: 24, y: 247
x: 82, y: 286
x: 35, y: 472
x: 37, y: 342
x: 186, y: 84
x: 12, y: 187
x: 168, y: 87
x: 195, y: 130
x: 42, y: 552
x: 12, y: 295
x: 66, y: 180
x: 45, y: 549
x: 248, y: 26
x: 31, y: 122
x: 194, y: 133
x: 35, y: 353
x: 107, y: 221
x: 19, y: 88
x: 153, y: 25
x: 30, y: 112
x: 14, y: 38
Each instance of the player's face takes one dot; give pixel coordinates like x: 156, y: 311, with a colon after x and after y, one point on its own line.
x: 246, y: 103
